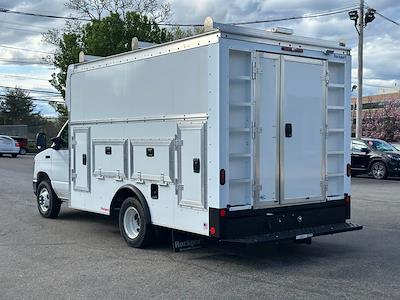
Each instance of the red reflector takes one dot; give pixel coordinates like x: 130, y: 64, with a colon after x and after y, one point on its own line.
x: 212, y: 230
x: 222, y: 213
x: 347, y: 199
x: 222, y: 177
x: 348, y: 170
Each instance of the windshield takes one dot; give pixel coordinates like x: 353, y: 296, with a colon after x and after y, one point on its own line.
x: 381, y: 146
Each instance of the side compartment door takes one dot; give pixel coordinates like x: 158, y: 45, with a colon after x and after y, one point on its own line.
x: 266, y: 146
x: 192, y: 162
x: 303, y: 113
x: 81, y: 159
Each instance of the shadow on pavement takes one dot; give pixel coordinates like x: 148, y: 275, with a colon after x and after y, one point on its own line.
x: 271, y: 255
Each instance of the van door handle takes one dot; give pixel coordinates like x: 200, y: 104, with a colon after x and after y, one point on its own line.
x: 288, y: 130
x: 84, y: 159
x: 47, y: 156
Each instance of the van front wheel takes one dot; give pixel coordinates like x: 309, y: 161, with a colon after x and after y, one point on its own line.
x: 47, y: 201
x: 133, y: 224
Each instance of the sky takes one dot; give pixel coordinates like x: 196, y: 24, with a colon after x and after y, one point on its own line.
x: 25, y: 67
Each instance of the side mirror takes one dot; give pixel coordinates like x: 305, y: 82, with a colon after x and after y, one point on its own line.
x: 41, y: 141
x: 365, y: 150
x: 57, y: 143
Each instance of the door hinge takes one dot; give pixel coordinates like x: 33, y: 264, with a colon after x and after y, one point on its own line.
x: 256, y: 189
x: 178, y: 142
x: 73, y: 175
x: 326, y: 78
x: 254, y: 130
x: 139, y: 178
x: 178, y: 188
x: 118, y: 177
x: 254, y: 70
x: 324, y: 184
x: 162, y: 180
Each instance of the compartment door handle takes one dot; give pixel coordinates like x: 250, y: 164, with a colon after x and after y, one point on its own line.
x: 288, y: 130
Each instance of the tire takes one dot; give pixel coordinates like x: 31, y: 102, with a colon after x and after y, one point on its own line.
x: 379, y: 170
x: 134, y: 224
x: 47, y: 201
x: 14, y: 155
x: 22, y: 151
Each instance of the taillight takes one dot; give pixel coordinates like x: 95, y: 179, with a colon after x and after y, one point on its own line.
x: 212, y: 230
x: 222, y: 213
x: 16, y: 144
x: 347, y: 199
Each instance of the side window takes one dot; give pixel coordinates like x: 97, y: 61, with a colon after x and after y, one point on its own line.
x: 64, y: 138
x: 358, y: 146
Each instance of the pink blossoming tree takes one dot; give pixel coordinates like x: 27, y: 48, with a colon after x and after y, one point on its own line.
x: 383, y: 123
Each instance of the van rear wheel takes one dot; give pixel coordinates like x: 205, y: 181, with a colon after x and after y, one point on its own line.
x: 134, y: 226
x: 48, y: 203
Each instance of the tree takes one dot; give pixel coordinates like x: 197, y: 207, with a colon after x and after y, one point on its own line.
x: 383, y: 123
x: 179, y: 33
x: 97, y: 9
x: 17, y: 107
x: 110, y: 35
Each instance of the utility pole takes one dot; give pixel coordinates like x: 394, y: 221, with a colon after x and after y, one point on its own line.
x: 360, y: 26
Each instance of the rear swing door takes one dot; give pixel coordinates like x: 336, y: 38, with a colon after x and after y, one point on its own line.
x: 290, y: 97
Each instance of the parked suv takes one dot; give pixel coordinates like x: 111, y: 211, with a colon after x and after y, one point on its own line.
x: 374, y: 156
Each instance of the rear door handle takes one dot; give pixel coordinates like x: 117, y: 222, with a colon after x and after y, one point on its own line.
x: 47, y: 156
x: 288, y: 130
x: 84, y: 159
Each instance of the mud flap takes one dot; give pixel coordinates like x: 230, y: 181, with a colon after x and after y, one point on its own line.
x: 182, y: 241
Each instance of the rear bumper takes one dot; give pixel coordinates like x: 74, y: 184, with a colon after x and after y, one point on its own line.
x: 295, y: 234
x: 271, y: 221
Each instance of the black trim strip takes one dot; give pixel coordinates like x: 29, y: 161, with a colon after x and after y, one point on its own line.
x: 295, y: 234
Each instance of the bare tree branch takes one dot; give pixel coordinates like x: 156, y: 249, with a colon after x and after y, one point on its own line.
x: 157, y: 10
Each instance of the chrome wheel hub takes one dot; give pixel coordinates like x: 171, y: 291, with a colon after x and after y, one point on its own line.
x: 132, y: 222
x: 378, y: 170
x: 44, y: 200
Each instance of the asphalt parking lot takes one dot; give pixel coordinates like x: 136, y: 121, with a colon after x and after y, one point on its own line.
x: 81, y: 255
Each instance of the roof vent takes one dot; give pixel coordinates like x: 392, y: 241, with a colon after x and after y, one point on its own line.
x: 281, y: 30
x: 208, y: 24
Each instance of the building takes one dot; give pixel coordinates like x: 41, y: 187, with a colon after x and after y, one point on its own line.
x: 372, y: 103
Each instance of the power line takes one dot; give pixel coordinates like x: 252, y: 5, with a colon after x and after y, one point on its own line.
x: 22, y: 29
x: 388, y: 19
x: 31, y: 90
x: 307, y: 16
x: 22, y: 62
x: 25, y: 25
x: 23, y: 77
x: 25, y: 49
x: 4, y: 10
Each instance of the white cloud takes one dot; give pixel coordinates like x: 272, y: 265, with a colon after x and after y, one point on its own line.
x: 382, y: 39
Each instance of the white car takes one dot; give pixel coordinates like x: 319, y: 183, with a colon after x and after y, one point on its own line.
x: 8, y: 146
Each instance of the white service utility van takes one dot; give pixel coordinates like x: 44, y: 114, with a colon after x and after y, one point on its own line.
x: 238, y: 134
